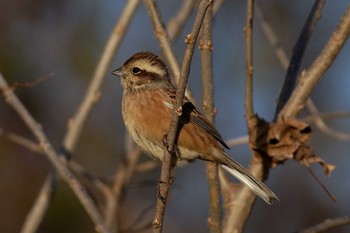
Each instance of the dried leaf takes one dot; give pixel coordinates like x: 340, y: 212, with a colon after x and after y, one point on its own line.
x: 283, y: 140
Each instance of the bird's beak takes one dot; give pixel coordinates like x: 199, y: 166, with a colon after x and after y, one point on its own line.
x: 118, y: 72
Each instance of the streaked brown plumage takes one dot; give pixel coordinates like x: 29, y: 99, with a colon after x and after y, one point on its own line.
x: 147, y: 107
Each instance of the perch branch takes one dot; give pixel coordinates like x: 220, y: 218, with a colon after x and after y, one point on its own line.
x: 169, y: 149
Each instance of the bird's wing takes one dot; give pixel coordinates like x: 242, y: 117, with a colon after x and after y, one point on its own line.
x: 191, y: 114
x: 188, y: 109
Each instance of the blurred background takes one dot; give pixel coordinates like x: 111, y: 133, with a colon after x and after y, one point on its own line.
x: 62, y: 41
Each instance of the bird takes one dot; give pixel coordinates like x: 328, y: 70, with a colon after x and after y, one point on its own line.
x: 147, y: 106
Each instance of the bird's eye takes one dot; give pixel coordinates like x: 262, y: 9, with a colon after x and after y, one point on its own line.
x: 136, y: 70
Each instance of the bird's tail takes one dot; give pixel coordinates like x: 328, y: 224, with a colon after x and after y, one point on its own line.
x: 248, y: 179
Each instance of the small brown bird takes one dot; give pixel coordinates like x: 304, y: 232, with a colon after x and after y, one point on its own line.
x: 147, y: 108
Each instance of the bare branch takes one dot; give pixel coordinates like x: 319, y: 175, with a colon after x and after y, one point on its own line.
x: 237, y: 141
x: 282, y: 57
x: 36, y: 214
x: 169, y: 149
x: 322, y: 125
x: 93, y: 93
x: 271, y: 36
x: 298, y: 53
x: 206, y: 46
x: 326, y: 115
x: 309, y: 78
x: 52, y: 155
x: 124, y: 173
x: 248, y: 29
x: 327, y: 225
x: 239, y: 205
x: 164, y: 41
x: 176, y: 24
x: 217, y: 6
x: 76, y: 124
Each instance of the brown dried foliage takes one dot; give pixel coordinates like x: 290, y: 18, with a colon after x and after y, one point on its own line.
x: 283, y: 140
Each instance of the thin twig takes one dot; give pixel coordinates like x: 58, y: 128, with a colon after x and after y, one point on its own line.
x: 271, y: 36
x: 309, y: 78
x: 248, y: 29
x: 239, y: 205
x: 217, y: 6
x: 176, y: 23
x: 36, y: 214
x: 237, y: 141
x: 169, y: 149
x: 52, y: 155
x: 34, y: 147
x: 138, y: 219
x: 298, y: 53
x: 163, y: 37
x: 326, y: 115
x: 165, y: 41
x: 327, y: 225
x: 93, y: 93
x: 124, y: 173
x: 322, y: 125
x: 212, y: 169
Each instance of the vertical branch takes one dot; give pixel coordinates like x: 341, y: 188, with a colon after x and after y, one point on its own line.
x: 248, y: 102
x: 206, y: 46
x: 298, y: 53
x: 169, y: 149
x: 244, y: 198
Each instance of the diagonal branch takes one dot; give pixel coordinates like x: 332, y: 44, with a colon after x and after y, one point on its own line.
x: 93, y: 93
x: 282, y: 57
x: 164, y: 41
x: 298, y: 53
x: 77, y: 123
x: 309, y: 79
x: 169, y: 149
x: 52, y: 155
x: 41, y: 204
x: 327, y: 225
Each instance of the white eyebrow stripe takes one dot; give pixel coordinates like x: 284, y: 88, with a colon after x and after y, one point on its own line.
x: 167, y: 104
x: 147, y: 66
